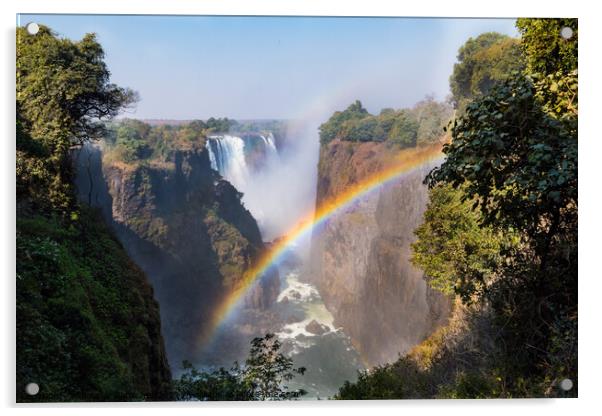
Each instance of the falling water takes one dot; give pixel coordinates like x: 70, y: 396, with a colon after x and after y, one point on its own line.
x: 249, y: 162
x: 227, y: 156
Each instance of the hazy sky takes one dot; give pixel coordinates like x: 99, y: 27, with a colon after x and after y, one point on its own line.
x: 187, y: 67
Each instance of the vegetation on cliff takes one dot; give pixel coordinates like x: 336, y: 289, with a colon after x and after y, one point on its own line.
x: 135, y: 142
x: 421, y: 124
x: 501, y: 232
x: 88, y: 327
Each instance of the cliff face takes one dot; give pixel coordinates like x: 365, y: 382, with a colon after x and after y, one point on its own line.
x: 186, y: 228
x: 88, y: 326
x: 361, y: 257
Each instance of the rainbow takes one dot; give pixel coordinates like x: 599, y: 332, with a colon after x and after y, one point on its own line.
x: 405, y: 162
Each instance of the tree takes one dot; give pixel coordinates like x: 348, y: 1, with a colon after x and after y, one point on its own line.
x: 365, y: 129
x: 63, y: 94
x: 432, y: 117
x: 516, y: 161
x: 459, y: 256
x: 404, y: 130
x: 552, y: 63
x: 85, y: 313
x: 422, y: 124
x: 482, y: 61
x: 217, y: 385
x: 546, y: 51
x: 219, y: 125
x: 131, y: 140
x: 261, y: 378
x: 330, y: 129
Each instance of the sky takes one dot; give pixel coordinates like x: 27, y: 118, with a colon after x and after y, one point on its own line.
x: 196, y: 67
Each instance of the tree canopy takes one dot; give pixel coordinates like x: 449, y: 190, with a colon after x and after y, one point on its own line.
x: 546, y: 51
x: 330, y: 129
x: 63, y: 94
x: 457, y: 253
x: 482, y: 61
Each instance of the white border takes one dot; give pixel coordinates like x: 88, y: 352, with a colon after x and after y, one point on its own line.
x: 589, y: 183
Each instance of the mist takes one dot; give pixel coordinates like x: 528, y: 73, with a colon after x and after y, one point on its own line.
x: 283, y: 190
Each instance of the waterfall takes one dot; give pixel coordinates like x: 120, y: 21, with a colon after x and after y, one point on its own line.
x: 270, y: 145
x: 227, y: 156
x: 273, y: 180
x: 212, y: 158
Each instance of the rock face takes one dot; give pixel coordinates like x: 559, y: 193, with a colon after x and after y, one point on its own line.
x: 360, y: 259
x: 186, y: 228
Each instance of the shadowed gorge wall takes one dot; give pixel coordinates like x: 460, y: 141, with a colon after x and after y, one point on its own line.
x: 186, y: 227
x: 88, y: 326
x: 360, y: 260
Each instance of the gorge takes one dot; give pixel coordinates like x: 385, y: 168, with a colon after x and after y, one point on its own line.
x: 343, y: 298
x: 303, y: 249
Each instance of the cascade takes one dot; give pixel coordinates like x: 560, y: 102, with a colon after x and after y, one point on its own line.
x: 227, y: 156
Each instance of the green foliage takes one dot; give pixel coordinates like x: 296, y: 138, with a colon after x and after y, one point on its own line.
x: 482, y: 61
x: 362, y: 130
x: 552, y: 63
x: 422, y: 124
x: 558, y: 94
x: 513, y: 155
x: 400, y: 380
x: 33, y: 171
x: 330, y: 129
x: 546, y: 51
x: 404, y: 130
x: 467, y: 359
x: 458, y: 254
x: 129, y: 140
x: 217, y: 125
x: 86, y: 321
x: 217, y: 385
x: 517, y: 161
x: 261, y: 378
x: 63, y: 91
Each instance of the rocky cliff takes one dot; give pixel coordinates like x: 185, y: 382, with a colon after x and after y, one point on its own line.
x: 88, y: 326
x: 186, y: 228
x: 361, y: 257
